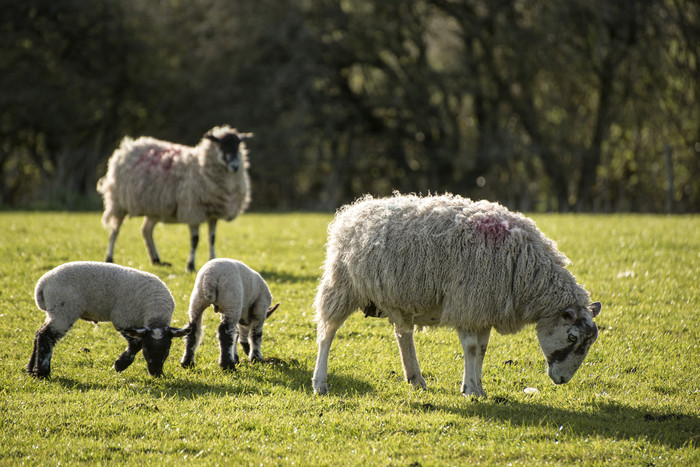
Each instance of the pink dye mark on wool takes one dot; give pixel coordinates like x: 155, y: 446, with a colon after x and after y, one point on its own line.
x: 158, y: 157
x: 492, y: 229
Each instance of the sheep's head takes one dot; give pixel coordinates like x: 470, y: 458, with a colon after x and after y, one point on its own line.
x: 156, y: 345
x: 228, y: 141
x: 565, y: 339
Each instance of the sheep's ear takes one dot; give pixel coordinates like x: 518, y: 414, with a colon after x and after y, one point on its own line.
x: 568, y: 315
x: 210, y: 136
x: 136, y: 333
x: 243, y: 136
x: 594, y: 308
x: 271, y: 309
x: 175, y: 332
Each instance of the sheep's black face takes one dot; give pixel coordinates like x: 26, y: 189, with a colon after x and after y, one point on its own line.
x: 156, y: 347
x: 229, y: 155
x: 566, y: 339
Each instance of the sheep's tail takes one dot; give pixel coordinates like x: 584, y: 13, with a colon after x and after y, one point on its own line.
x: 110, y: 218
x: 271, y: 309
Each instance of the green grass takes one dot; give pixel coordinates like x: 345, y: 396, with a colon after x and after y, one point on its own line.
x: 636, y: 399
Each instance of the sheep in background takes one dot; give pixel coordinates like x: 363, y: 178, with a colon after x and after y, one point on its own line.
x: 167, y: 182
x: 242, y: 298
x: 449, y: 261
x: 138, y: 304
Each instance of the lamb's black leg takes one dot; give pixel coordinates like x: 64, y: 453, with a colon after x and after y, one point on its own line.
x: 31, y: 368
x: 127, y: 358
x: 44, y: 342
x: 255, y: 339
x: 244, y: 343
x: 192, y: 341
x: 228, y: 335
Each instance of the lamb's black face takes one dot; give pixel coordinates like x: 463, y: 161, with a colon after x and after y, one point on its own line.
x: 156, y: 347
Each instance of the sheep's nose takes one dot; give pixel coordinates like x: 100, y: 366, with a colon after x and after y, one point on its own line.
x: 233, y: 166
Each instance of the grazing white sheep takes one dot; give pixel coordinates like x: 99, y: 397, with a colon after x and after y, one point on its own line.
x: 167, y: 182
x: 449, y: 261
x: 138, y: 304
x: 242, y: 298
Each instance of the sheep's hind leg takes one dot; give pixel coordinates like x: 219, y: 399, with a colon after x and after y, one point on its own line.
x: 228, y: 336
x: 212, y: 238
x: 326, y: 333
x: 127, y: 357
x: 193, y: 339
x: 44, y: 342
x: 409, y: 359
x: 194, y: 241
x: 147, y: 232
x: 114, y: 232
x: 474, y: 347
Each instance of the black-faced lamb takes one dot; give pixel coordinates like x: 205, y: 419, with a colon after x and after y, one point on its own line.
x: 172, y: 183
x: 242, y: 298
x: 137, y: 303
x: 449, y: 261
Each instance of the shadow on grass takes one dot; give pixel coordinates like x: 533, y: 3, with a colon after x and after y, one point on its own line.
x: 248, y: 378
x: 286, y: 277
x: 605, y: 420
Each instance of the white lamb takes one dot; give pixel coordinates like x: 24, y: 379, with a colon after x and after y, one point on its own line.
x: 138, y: 304
x: 167, y: 182
x: 449, y: 261
x: 243, y: 299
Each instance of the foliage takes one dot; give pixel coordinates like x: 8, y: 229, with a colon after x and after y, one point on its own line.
x: 586, y: 105
x: 634, y: 401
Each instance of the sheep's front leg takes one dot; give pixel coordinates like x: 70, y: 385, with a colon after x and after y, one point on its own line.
x: 147, y: 232
x: 243, y: 337
x: 255, y: 342
x: 409, y: 359
x: 44, y: 342
x: 228, y: 336
x: 127, y: 357
x: 474, y: 346
x: 212, y: 238
x: 483, y: 341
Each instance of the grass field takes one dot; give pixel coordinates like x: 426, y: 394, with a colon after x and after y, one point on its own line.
x: 635, y: 400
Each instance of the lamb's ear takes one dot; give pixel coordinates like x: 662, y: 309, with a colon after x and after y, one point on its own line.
x: 136, y: 333
x: 271, y: 309
x: 243, y: 136
x: 175, y: 332
x: 594, y: 308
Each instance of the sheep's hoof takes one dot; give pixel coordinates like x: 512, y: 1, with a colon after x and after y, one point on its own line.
x: 473, y: 394
x: 121, y: 365
x: 157, y: 262
x: 228, y: 366
x: 187, y: 364
x: 255, y: 358
x: 417, y: 382
x: 320, y: 388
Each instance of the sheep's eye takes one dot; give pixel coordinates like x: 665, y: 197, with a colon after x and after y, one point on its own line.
x: 572, y: 338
